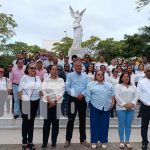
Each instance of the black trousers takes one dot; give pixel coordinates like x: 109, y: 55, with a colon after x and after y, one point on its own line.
x: 74, y: 106
x: 51, y: 114
x: 145, y: 114
x: 29, y: 112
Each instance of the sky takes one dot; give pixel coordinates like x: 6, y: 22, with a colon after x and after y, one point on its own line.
x: 48, y: 19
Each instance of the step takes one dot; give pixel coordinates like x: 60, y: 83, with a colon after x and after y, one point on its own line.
x: 12, y: 123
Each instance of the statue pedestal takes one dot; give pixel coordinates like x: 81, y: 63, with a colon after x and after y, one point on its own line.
x: 73, y: 51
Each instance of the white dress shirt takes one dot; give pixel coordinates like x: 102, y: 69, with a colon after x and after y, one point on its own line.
x: 30, y: 87
x: 125, y: 95
x: 53, y: 88
x: 98, y: 64
x: 144, y: 91
x: 139, y: 75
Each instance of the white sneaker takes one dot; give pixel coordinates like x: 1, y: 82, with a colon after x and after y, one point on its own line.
x: 93, y: 146
x: 104, y: 146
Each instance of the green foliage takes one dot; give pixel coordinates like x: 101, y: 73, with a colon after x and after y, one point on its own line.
x: 18, y: 47
x: 5, y: 60
x: 141, y: 4
x: 7, y: 25
x: 63, y: 45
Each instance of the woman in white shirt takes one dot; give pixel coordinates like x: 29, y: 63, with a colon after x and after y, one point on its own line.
x: 53, y: 89
x: 3, y: 91
x: 126, y: 96
x: 29, y: 93
x: 114, y: 79
x: 90, y: 72
x: 140, y: 73
x: 132, y: 75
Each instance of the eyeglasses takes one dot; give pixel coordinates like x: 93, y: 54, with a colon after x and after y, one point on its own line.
x: 99, y: 74
x: 33, y: 68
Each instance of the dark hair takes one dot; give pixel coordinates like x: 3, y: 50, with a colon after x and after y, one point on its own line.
x: 139, y: 66
x: 19, y: 60
x: 74, y: 56
x: 26, y: 70
x: 50, y: 67
x: 87, y: 69
x: 133, y: 71
x: 113, y: 70
x: 102, y: 66
x: 96, y: 74
x: 118, y: 66
x: 120, y: 80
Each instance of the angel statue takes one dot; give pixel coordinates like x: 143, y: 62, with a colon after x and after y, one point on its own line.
x: 77, y: 16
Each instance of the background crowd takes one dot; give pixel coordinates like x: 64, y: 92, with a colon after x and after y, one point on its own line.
x: 96, y: 88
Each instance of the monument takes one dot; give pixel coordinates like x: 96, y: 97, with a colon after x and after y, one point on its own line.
x: 78, y: 33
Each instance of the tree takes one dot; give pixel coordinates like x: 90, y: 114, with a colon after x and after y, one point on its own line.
x: 63, y: 45
x: 141, y: 4
x: 134, y: 45
x: 18, y: 47
x: 7, y: 25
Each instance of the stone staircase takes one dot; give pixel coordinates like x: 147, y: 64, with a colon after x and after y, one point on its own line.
x: 7, y: 121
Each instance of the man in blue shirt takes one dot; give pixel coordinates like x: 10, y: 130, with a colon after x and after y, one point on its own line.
x: 76, y: 87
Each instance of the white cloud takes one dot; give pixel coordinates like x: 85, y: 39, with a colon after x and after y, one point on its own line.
x: 48, y: 19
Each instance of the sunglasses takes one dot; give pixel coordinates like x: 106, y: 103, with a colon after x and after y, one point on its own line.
x: 32, y: 68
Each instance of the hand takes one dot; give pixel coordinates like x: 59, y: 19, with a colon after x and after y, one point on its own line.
x: 51, y: 103
x: 40, y: 94
x: 80, y: 97
x: 9, y: 91
x: 58, y: 98
x: 126, y: 106
x: 20, y: 94
x: 130, y: 106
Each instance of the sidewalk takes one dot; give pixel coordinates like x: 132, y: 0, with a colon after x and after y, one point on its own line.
x: 13, y: 136
x: 111, y: 146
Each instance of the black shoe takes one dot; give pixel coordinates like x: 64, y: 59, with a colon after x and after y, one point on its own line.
x: 16, y: 116
x: 31, y: 146
x: 53, y: 146
x: 24, y: 146
x: 139, y: 116
x: 44, y: 147
x: 144, y: 146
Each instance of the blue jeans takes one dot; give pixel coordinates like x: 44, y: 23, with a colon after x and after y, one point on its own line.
x: 16, y: 100
x: 99, y: 121
x: 125, y: 118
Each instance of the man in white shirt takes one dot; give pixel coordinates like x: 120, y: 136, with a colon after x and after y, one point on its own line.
x: 61, y: 59
x: 112, y: 66
x: 49, y: 61
x: 101, y: 62
x: 144, y: 91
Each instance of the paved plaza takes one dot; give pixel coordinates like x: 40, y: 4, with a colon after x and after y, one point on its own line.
x: 111, y: 146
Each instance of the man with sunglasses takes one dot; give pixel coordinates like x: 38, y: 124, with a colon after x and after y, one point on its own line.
x: 144, y: 92
x: 15, y: 77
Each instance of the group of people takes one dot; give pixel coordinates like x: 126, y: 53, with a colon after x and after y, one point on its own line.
x: 52, y: 84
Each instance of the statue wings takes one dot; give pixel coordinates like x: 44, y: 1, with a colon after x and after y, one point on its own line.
x: 73, y: 13
x: 81, y: 13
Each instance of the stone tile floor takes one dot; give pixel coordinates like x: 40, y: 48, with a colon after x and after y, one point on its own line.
x: 111, y: 146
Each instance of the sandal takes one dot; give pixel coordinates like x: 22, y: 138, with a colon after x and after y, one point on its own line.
x: 128, y: 145
x: 121, y: 145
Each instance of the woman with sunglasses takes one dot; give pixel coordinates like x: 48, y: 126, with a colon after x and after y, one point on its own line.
x: 29, y: 93
x: 100, y: 97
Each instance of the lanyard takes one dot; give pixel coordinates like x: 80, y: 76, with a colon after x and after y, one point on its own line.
x: 32, y: 91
